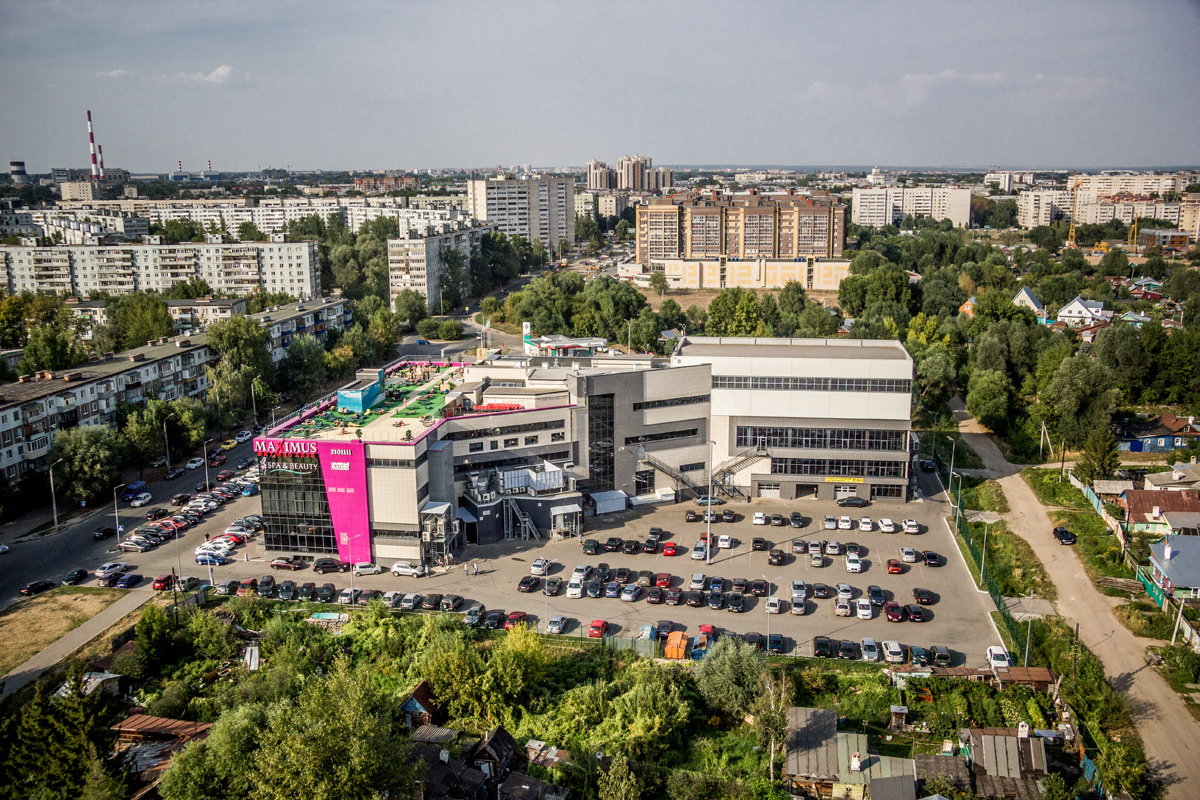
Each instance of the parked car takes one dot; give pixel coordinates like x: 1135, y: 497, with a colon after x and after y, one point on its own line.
x: 775, y: 558
x: 367, y: 568
x: 853, y: 502
x: 194, y: 463
x: 243, y: 436
x: 923, y: 596
x: 557, y: 624
x: 287, y: 562
x: 796, y: 520
x: 266, y: 586
x: 1064, y: 536
x: 863, y: 608
x: 162, y: 582
x: 431, y: 602
x: 323, y: 565
x: 326, y: 593
x: 597, y: 629
x: 894, y: 567
x: 128, y: 580
x: 514, y: 619
x: 288, y: 590
x: 822, y: 647
x: 887, y: 526
x: 36, y: 587
x: 760, y: 544
x: 915, y: 613
x: 348, y: 597
x: 893, y: 611
x: 451, y: 602
x: 142, y: 499
x: 590, y: 547
x: 775, y: 644
x: 847, y: 650
x: 911, y: 526
x: 173, y: 473
x: 474, y: 615
x: 103, y: 533
x: 74, y: 577
x: 876, y: 595
x: 869, y: 649
x: 931, y: 559
x: 997, y: 657
x: 759, y: 518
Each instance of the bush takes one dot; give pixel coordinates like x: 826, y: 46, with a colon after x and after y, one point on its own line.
x: 1182, y: 658
x: 450, y: 330
x: 427, y: 329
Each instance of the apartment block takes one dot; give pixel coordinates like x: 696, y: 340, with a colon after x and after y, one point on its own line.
x: 889, y: 205
x: 415, y: 259
x: 315, y: 317
x: 612, y: 204
x: 600, y: 176
x: 586, y: 204
x: 539, y: 207
x: 78, y: 190
x: 1042, y: 207
x: 204, y: 311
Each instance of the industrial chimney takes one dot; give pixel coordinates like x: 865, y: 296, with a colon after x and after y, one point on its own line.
x: 92, y: 145
x: 16, y: 172
x: 100, y: 150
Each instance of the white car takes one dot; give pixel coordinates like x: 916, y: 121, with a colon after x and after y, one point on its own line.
x: 145, y: 498
x: 841, y: 608
x: 556, y: 624
x: 830, y: 522
x: 194, y: 463
x: 893, y: 652
x: 833, y: 548
x: 845, y: 523
x: 581, y: 572
x: 724, y: 542
x: 799, y: 590
x: 887, y: 526
x: 243, y: 436
x: 865, y: 609
x: 870, y: 650
x: 997, y: 657
x: 853, y: 563
x: 367, y: 568
x: 908, y: 555
x: 865, y: 524
x: 575, y: 588
x: 774, y: 605
x: 845, y: 591
x: 699, y: 552
x: 911, y: 526
x: 539, y: 567
x: 697, y: 581
x: 760, y: 518
x: 408, y: 569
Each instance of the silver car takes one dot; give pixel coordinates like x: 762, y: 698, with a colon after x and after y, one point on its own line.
x: 557, y: 624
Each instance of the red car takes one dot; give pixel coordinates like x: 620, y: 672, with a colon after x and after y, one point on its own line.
x: 894, y: 567
x: 893, y: 611
x: 663, y: 580
x: 515, y: 618
x: 162, y: 582
x: 225, y: 474
x: 668, y: 548
x: 217, y: 460
x: 598, y: 629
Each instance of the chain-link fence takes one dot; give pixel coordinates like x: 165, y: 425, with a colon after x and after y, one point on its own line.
x: 973, y: 541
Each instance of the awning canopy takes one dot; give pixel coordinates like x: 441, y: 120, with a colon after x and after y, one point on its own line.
x: 571, y: 509
x: 436, y: 508
x: 464, y: 515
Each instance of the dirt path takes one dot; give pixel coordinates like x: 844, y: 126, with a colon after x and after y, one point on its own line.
x: 1168, y: 731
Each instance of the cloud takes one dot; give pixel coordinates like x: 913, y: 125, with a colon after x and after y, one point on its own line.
x: 221, y: 75
x: 114, y: 73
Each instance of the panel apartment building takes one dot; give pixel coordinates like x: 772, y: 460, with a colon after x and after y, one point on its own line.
x: 415, y: 259
x: 889, y: 205
x: 749, y: 240
x: 236, y: 268
x: 538, y: 208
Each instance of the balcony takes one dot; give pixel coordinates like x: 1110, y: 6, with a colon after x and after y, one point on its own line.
x: 36, y: 448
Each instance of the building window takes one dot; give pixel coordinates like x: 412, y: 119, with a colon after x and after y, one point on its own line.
x: 878, y: 490
x: 837, y: 467
x: 813, y: 384
x: 695, y: 467
x: 669, y: 403
x: 475, y: 447
x: 821, y: 438
x: 510, y: 442
x: 493, y: 445
x: 558, y: 437
x: 664, y: 436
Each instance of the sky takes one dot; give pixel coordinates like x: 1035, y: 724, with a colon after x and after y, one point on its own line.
x: 416, y: 85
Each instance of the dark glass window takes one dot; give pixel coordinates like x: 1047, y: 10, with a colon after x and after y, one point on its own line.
x: 821, y: 438
x: 663, y: 436
x: 675, y: 401
x: 601, y: 447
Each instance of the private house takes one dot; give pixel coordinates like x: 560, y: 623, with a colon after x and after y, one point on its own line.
x: 1080, y: 312
x: 1088, y: 333
x: 820, y: 761
x: 1164, y: 433
x: 1146, y: 510
x: 146, y: 744
x: 494, y: 753
x: 420, y: 706
x: 1007, y: 762
x: 1179, y: 477
x: 1149, y: 284
x: 448, y: 778
x: 1133, y: 318
x: 1145, y: 294
x: 968, y: 308
x: 1027, y: 299
x: 1175, y: 565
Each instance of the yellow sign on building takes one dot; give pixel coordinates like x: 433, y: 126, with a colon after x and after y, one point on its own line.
x: 845, y: 480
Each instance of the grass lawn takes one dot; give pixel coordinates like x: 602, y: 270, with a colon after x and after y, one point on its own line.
x: 1145, y: 619
x: 1098, y: 549
x: 32, y: 625
x: 984, y: 496
x: 1051, y: 492
x: 1011, y: 562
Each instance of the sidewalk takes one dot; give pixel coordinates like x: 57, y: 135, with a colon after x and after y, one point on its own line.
x: 74, y: 640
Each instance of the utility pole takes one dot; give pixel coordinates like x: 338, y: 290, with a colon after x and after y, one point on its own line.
x: 253, y: 399
x: 166, y: 441
x: 116, y: 512
x: 53, y: 499
x: 708, y: 512
x: 1028, y: 629
x: 1075, y: 654
x: 1062, y: 469
x: 983, y: 555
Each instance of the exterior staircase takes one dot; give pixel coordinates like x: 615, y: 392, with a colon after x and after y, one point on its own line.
x: 518, y: 524
x: 723, y: 473
x: 680, y: 478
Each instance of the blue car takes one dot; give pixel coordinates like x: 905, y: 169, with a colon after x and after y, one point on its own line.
x: 250, y: 490
x: 128, y: 580
x: 612, y: 590
x: 422, y: 341
x: 210, y: 560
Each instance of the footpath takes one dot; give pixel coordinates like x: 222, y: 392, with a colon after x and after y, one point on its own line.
x: 75, y: 639
x: 1168, y: 730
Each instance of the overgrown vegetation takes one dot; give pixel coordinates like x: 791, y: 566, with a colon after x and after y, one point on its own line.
x: 984, y: 495
x: 1098, y: 549
x: 1053, y: 492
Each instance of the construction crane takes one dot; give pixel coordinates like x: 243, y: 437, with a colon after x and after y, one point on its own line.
x: 1133, y: 245
x: 1075, y: 184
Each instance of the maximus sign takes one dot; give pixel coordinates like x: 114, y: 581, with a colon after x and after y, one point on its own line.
x: 284, y: 447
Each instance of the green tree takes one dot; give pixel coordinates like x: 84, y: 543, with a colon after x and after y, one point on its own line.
x: 411, y: 308
x: 143, y: 434
x: 99, y: 783
x: 428, y: 328
x: 249, y: 232
x: 49, y: 348
x: 450, y: 330
x: 770, y: 707
x: 91, y: 462
x: 936, y: 376
x: 385, y: 331
x: 1100, y: 459
x: 13, y: 329
x: 1120, y: 349
x: 303, y: 368
x: 140, y: 318
x: 454, y: 284
x: 622, y: 230
x: 221, y: 767
x: 989, y: 396
x: 1081, y: 397
x: 729, y: 677
x: 229, y: 389
x: 658, y: 282
x: 618, y: 782
x: 242, y: 341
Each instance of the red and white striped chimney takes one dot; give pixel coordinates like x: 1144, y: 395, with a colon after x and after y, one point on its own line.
x: 100, y: 150
x: 181, y: 165
x: 92, y: 145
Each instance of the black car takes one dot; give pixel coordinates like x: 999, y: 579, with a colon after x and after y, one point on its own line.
x: 695, y: 599
x: 600, y: 573
x: 157, y: 513
x: 613, y: 544
x: 777, y: 520
x: 650, y: 547
x: 527, y: 584
x: 673, y: 596
x: 621, y: 575
x: 736, y: 601
x: 655, y: 595
x: 915, y: 613
x: 775, y: 643
x: 755, y: 640
x: 553, y: 587
x: 74, y: 576
x: 205, y: 487
x: 244, y: 463
x: 727, y: 515
x: 847, y: 651
x: 876, y: 595
x: 266, y: 586
x: 103, y: 533
x: 37, y: 587
x: 307, y: 592
x: 691, y: 516
x: 923, y: 596
x: 820, y: 591
x: 796, y: 520
x: 759, y: 544
x: 327, y: 593
x: 1064, y: 536
x: 853, y: 502
x: 663, y: 629
x: 590, y: 547
x: 758, y: 588
x: 288, y: 591
x: 822, y: 647
x: 775, y: 558
x: 594, y: 589
x: 927, y: 465
x: 716, y: 600
x: 173, y: 473
x: 932, y: 559
x: 431, y: 602
x: 323, y: 565
x: 494, y: 619
x: 631, y: 547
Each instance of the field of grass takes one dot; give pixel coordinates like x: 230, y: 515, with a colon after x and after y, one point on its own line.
x: 984, y: 496
x: 31, y: 625
x: 1052, y: 492
x: 1145, y: 619
x: 1098, y: 549
x: 1011, y: 562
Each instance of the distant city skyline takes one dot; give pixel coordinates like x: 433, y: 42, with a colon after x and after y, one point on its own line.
x: 421, y: 85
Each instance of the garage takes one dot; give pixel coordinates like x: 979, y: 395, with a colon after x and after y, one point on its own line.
x: 769, y: 490
x: 609, y: 502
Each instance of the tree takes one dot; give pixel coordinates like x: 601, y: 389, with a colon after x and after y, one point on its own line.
x: 249, y: 232
x: 454, y: 283
x: 622, y: 230
x: 411, y: 307
x: 1081, y: 397
x: 1100, y: 459
x: 1120, y: 349
x: 49, y: 348
x: 229, y: 389
x: 219, y: 767
x: 427, y: 329
x: 385, y: 332
x: 936, y: 375
x: 770, y: 707
x: 242, y: 341
x: 729, y: 677
x: 303, y: 368
x: 143, y: 434
x: 450, y: 330
x: 618, y: 782
x: 91, y: 462
x: 989, y: 395
x: 99, y: 783
x: 658, y: 282
x: 141, y: 318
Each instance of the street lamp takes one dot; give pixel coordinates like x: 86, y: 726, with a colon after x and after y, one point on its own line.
x: 708, y: 512
x: 983, y: 555
x: 53, y: 500
x: 204, y: 455
x: 768, y: 580
x: 253, y: 400
x: 1028, y: 627
x: 953, y: 448
x: 166, y: 441
x: 273, y: 410
x: 116, y: 518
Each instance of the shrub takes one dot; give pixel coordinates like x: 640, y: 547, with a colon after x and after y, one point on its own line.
x: 427, y: 329
x: 450, y: 330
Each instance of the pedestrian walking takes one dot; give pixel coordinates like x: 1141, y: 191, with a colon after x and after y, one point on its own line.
x: 206, y: 537
x: 476, y: 565
x: 466, y: 571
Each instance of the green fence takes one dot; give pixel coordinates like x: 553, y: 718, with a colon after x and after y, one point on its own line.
x: 973, y: 545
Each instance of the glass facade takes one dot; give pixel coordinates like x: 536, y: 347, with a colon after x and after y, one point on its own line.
x: 601, y: 444
x: 295, y: 508
x: 845, y: 467
x: 813, y: 384
x: 821, y: 438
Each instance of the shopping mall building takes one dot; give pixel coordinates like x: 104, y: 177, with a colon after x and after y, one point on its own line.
x: 419, y: 460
